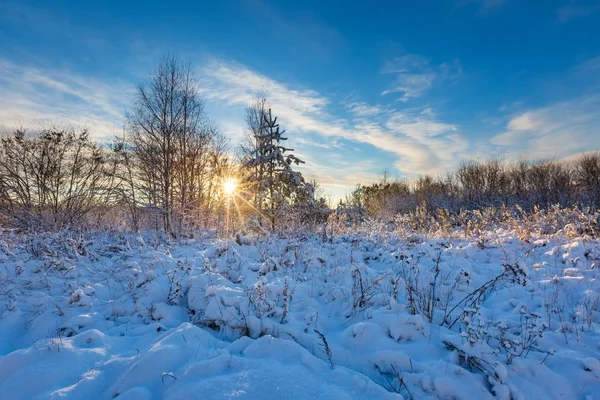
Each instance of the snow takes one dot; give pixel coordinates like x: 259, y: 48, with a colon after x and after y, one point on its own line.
x: 368, y: 315
x: 592, y: 364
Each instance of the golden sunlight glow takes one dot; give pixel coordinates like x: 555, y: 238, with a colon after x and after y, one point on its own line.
x: 230, y: 186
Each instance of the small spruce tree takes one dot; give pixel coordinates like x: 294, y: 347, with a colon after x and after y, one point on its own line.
x: 271, y: 175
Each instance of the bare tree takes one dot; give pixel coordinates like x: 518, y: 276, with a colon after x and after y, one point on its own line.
x: 587, y: 175
x: 173, y: 142
x: 491, y: 185
x: 51, y: 178
x: 251, y: 147
x: 123, y: 172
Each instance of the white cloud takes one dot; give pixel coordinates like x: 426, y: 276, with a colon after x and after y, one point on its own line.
x: 34, y: 95
x: 418, y: 127
x: 525, y: 122
x: 421, y: 143
x: 362, y: 109
x: 235, y: 84
x: 411, y: 85
x: 415, y: 76
x: 336, y: 149
x: 558, y: 130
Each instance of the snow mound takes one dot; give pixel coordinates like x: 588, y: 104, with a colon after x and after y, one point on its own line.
x: 366, y: 316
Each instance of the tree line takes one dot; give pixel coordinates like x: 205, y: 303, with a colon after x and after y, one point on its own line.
x: 476, y: 185
x: 164, y: 172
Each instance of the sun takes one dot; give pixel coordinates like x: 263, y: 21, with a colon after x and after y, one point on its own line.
x: 230, y: 186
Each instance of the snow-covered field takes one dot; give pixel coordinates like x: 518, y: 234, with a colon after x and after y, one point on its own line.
x: 365, y: 316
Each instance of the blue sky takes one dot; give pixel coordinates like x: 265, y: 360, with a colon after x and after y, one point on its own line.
x: 361, y: 87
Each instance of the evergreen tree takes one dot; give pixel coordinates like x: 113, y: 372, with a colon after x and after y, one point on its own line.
x: 271, y: 176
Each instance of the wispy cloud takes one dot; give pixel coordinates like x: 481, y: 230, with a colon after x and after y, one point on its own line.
x: 340, y: 149
x: 558, y: 130
x: 419, y: 142
x: 415, y: 75
x: 362, y: 109
x: 235, y: 84
x: 576, y: 9
x: 35, y: 95
x: 590, y: 68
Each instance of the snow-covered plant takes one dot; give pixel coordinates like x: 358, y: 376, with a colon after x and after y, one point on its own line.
x: 512, y: 273
x: 286, y: 300
x: 260, y: 299
x: 522, y: 338
x: 473, y: 326
x: 363, y: 289
x: 326, y: 348
x: 493, y: 370
x: 176, y: 278
x: 401, y: 383
x: 70, y: 179
x: 430, y: 288
x: 421, y: 296
x: 270, y: 175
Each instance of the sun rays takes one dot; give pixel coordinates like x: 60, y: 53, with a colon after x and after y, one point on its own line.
x: 230, y: 186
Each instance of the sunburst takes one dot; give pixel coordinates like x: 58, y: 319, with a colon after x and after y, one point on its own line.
x: 230, y: 186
